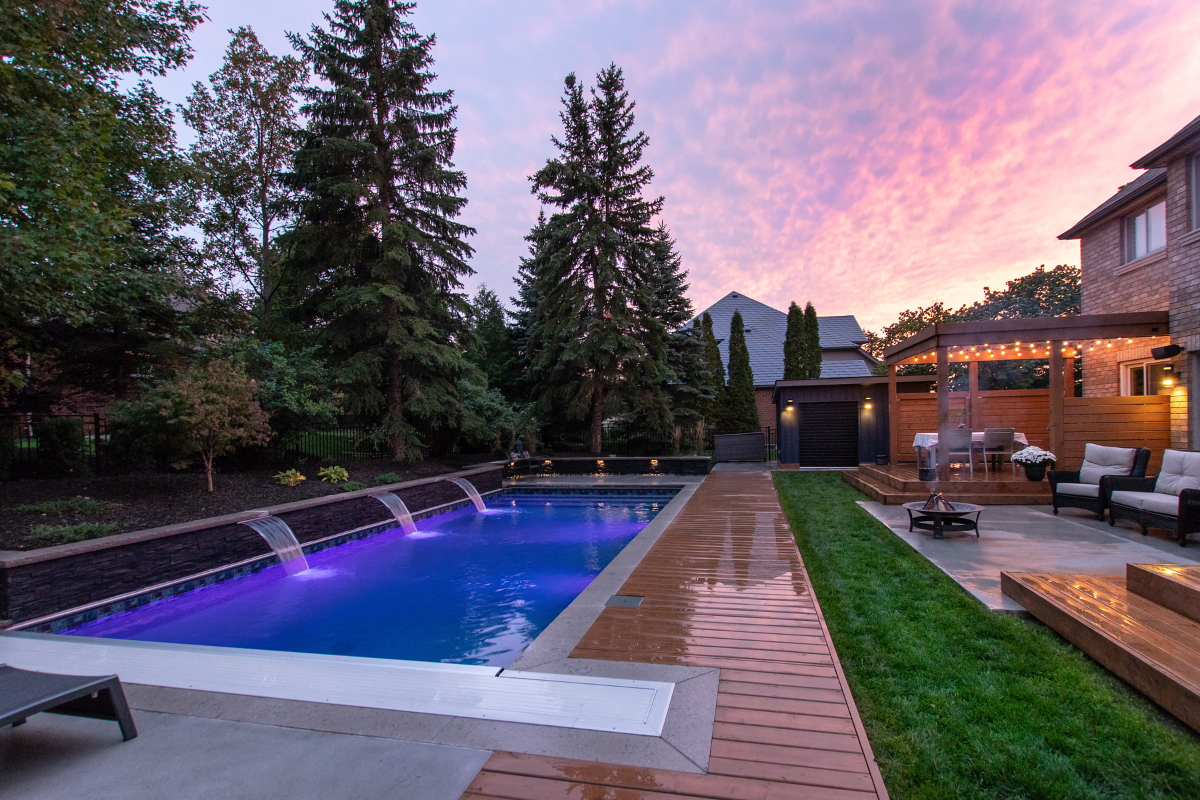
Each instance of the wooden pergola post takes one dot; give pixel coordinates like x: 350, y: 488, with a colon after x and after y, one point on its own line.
x: 943, y: 409
x: 893, y: 418
x: 975, y: 400
x: 1057, y: 403
x: 1069, y: 376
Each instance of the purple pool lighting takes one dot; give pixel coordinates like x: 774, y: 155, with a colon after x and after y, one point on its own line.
x: 467, y: 587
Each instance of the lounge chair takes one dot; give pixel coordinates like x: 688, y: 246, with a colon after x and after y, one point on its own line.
x: 1085, y: 487
x: 1170, y: 501
x: 24, y: 693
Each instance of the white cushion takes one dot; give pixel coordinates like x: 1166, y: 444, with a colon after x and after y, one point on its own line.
x: 1161, y: 503
x: 1079, y: 489
x: 1131, y: 499
x: 1180, y: 471
x: 1099, y: 461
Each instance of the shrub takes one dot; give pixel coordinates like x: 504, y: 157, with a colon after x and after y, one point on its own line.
x: 60, y: 449
x: 499, y: 453
x: 290, y: 478
x: 83, y: 506
x: 387, y: 477
x: 334, y: 474
x: 6, y: 449
x: 352, y: 486
x: 65, y: 534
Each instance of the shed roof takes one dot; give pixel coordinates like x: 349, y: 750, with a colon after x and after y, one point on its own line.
x: 766, y: 328
x: 1146, y: 183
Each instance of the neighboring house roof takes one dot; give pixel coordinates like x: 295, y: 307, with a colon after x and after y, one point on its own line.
x: 766, y: 329
x: 1158, y: 156
x: 1146, y: 183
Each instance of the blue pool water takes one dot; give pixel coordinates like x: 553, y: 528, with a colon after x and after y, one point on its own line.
x: 467, y: 587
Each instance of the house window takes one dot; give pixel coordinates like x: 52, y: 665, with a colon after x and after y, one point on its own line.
x: 1194, y: 188
x: 1147, y: 377
x: 1146, y: 232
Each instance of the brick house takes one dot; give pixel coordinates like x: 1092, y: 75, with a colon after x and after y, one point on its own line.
x: 1140, y: 251
x: 842, y: 355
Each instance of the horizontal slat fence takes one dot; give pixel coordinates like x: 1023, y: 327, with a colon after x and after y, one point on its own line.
x: 1116, y: 422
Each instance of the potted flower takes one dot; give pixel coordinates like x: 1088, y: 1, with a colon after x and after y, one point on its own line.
x: 1034, y: 460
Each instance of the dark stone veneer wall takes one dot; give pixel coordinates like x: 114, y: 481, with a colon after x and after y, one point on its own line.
x: 41, y: 582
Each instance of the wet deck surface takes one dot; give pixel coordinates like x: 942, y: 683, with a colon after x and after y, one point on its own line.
x: 724, y: 587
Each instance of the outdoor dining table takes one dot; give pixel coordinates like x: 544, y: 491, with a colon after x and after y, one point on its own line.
x: 929, y: 441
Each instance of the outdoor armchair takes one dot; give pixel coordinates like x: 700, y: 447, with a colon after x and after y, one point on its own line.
x: 1089, y: 486
x: 1170, y: 501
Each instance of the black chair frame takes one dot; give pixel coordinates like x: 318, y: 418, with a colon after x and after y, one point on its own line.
x: 1186, y: 522
x: 1097, y: 505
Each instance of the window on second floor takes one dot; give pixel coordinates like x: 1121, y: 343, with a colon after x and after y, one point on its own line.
x: 1194, y: 188
x: 1146, y: 231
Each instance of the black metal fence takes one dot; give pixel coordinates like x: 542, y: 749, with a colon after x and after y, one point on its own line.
x: 345, y: 443
x: 51, y: 445
x: 632, y: 441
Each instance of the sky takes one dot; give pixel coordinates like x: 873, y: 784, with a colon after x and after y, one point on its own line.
x: 866, y: 155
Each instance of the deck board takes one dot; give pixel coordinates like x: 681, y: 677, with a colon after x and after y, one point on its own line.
x: 724, y: 587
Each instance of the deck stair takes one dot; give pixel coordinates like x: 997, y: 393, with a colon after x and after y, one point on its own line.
x: 893, y: 485
x: 1144, y: 627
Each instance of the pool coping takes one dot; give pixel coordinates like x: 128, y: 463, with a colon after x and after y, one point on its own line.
x: 686, y: 728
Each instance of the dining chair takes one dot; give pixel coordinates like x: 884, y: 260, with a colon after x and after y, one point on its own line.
x: 999, y: 442
x: 957, y: 447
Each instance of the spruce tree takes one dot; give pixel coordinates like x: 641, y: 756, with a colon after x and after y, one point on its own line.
x: 742, y: 411
x: 810, y: 353
x: 377, y: 246
x: 716, y: 373
x: 594, y: 332
x: 793, y: 345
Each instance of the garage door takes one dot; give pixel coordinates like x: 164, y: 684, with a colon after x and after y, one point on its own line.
x: 829, y: 434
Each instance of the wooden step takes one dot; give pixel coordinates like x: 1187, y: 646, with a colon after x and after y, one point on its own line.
x: 879, y: 492
x: 1152, y: 648
x: 961, y: 491
x: 1169, y: 585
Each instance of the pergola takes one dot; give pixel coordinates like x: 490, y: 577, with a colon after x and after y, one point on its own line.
x: 1057, y: 339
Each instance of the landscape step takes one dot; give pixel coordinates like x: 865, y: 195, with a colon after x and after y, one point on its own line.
x: 1169, y: 585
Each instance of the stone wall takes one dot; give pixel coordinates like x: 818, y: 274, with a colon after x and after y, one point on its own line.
x: 40, y: 582
x: 616, y: 465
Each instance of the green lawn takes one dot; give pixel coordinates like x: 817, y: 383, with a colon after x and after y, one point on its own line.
x: 959, y: 702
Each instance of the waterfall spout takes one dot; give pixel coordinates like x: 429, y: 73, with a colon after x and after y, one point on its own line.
x: 466, y: 486
x: 282, y: 541
x: 399, y: 511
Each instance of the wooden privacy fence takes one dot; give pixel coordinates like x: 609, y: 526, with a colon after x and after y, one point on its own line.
x: 1027, y: 410
x: 1116, y: 422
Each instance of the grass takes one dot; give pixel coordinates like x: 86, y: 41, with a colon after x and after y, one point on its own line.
x: 959, y: 702
x: 83, y: 506
x: 65, y: 534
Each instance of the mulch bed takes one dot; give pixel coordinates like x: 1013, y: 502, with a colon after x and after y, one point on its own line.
x: 148, y: 500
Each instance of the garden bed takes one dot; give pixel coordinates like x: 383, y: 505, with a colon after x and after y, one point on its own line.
x: 961, y: 702
x: 121, y: 503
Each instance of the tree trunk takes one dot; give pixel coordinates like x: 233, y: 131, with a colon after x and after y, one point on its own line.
x: 208, y: 469
x: 597, y: 418
x: 395, y: 406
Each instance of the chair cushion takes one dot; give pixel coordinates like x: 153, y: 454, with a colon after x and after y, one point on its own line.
x: 1180, y: 471
x: 1099, y: 461
x: 1130, y: 499
x: 1079, y: 489
x: 1161, y: 503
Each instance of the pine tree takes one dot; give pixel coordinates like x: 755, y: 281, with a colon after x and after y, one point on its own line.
x: 377, y: 245
x: 793, y: 345
x: 492, y: 348
x: 593, y: 335
x: 742, y: 411
x: 716, y: 373
x: 810, y: 353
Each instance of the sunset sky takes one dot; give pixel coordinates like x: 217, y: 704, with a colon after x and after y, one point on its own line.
x: 870, y: 156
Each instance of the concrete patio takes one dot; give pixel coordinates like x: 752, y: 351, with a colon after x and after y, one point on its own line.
x: 1032, y: 539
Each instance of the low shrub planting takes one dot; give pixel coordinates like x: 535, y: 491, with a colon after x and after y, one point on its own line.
x: 961, y: 702
x: 334, y: 474
x: 82, y: 506
x: 290, y: 478
x: 352, y: 486
x: 66, y: 534
x: 387, y: 477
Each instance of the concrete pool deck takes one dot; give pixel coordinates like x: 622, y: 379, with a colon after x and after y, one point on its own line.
x: 1032, y: 539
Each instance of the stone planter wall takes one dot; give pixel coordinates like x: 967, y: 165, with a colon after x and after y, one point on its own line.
x: 40, y: 582
x: 613, y: 465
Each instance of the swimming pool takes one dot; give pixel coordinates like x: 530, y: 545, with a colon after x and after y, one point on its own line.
x: 467, y: 587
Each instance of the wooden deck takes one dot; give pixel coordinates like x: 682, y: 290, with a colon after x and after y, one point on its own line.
x: 893, y: 485
x: 724, y: 587
x: 1154, y: 649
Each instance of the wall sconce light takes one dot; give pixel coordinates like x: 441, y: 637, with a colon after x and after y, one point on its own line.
x: 867, y: 406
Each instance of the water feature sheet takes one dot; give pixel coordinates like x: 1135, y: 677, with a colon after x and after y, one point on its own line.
x: 467, y: 587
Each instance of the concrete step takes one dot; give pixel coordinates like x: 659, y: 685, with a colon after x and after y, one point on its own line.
x: 1169, y: 585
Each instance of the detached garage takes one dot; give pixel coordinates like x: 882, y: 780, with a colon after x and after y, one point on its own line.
x: 836, y: 422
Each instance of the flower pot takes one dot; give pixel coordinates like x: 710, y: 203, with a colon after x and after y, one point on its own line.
x: 1035, y: 472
